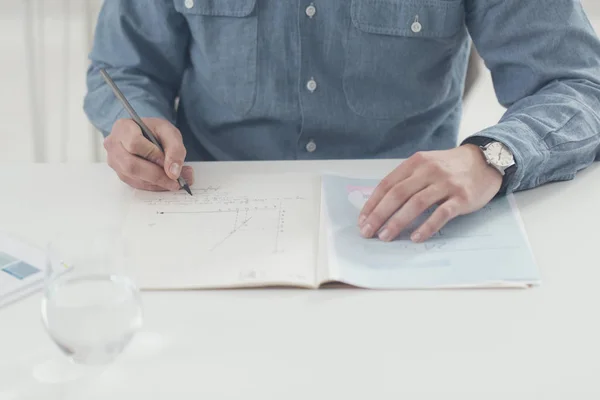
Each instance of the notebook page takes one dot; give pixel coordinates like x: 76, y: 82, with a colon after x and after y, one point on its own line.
x: 235, y: 231
x: 487, y: 248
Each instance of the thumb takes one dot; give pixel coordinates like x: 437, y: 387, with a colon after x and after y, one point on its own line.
x: 175, y: 152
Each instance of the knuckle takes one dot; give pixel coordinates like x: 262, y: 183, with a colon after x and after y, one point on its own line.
x: 130, y: 167
x: 454, y: 185
x: 386, y: 184
x: 420, y: 157
x: 446, y: 211
x: 107, y: 143
x: 436, y: 168
x: 130, y: 143
x: 420, y: 202
x: 462, y: 194
x: 398, y: 193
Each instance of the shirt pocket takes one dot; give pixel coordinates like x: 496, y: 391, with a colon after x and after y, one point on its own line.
x: 401, y: 56
x: 223, y: 49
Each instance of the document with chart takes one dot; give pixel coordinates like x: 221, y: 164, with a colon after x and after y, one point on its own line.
x: 301, y: 230
x: 22, y: 269
x: 487, y: 248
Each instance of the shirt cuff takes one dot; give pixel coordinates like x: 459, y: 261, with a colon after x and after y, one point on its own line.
x: 143, y: 106
x: 517, y: 137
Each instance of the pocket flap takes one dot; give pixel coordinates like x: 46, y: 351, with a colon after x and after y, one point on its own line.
x: 223, y: 8
x: 417, y: 18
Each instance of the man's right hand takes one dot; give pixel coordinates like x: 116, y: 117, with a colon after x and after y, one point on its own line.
x: 139, y: 163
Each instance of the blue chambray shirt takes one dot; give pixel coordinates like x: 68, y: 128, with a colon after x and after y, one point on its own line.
x: 333, y: 79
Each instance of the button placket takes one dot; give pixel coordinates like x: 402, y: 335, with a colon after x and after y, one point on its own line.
x: 311, y: 85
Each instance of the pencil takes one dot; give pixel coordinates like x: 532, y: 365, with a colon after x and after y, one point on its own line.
x: 147, y: 132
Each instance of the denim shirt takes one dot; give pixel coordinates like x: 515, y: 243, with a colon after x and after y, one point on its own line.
x: 333, y: 79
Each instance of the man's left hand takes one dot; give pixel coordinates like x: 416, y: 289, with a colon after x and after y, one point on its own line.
x: 459, y: 181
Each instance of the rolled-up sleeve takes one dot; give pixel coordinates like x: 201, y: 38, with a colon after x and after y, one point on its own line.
x: 544, y: 57
x: 143, y: 45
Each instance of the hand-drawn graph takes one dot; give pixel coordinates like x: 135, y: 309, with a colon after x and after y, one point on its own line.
x: 228, y: 221
x: 247, y: 228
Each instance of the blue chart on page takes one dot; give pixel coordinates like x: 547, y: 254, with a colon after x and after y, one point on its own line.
x: 18, y: 269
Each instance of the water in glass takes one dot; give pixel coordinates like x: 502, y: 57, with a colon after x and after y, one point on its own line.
x: 91, y: 308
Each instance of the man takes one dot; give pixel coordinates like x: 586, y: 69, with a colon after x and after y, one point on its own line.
x: 283, y: 79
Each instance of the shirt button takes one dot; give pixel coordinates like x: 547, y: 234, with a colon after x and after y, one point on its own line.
x: 311, y: 85
x: 311, y: 11
x: 189, y: 3
x: 416, y: 27
x: 311, y: 146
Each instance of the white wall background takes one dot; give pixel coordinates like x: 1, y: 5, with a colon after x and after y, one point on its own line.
x: 43, y: 60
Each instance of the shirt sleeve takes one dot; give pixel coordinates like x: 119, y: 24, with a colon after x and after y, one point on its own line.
x: 143, y: 46
x: 544, y: 57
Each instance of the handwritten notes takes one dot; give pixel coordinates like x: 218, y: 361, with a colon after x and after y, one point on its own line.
x: 240, y: 228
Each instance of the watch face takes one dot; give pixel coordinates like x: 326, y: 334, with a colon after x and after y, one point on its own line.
x: 499, y: 155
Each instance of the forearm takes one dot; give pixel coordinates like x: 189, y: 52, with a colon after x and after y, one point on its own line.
x: 143, y: 47
x: 553, y: 133
x: 544, y: 57
x: 147, y: 98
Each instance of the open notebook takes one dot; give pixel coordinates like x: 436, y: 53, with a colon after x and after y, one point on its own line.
x: 301, y: 230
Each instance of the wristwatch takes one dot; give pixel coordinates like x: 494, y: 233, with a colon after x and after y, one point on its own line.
x: 497, y: 155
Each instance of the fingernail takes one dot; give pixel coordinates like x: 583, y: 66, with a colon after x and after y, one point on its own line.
x: 384, y: 235
x: 416, y: 236
x: 175, y: 169
x: 367, y: 230
x: 362, y: 219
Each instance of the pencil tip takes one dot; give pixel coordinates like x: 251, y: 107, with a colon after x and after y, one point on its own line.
x: 187, y: 189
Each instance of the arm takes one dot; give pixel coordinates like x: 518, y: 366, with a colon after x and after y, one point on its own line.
x: 143, y: 46
x: 545, y: 62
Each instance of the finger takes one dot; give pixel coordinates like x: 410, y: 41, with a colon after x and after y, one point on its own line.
x: 402, y: 172
x: 441, y: 216
x: 135, y: 143
x: 187, y: 173
x: 175, y: 152
x: 390, y: 203
x: 139, y: 168
x: 140, y: 184
x: 414, y: 207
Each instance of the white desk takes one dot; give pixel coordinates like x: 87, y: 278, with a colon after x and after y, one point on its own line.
x: 541, y: 343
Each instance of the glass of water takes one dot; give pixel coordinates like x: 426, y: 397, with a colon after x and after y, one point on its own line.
x: 91, y: 308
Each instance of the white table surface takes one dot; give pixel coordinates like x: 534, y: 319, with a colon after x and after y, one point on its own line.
x: 542, y: 343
